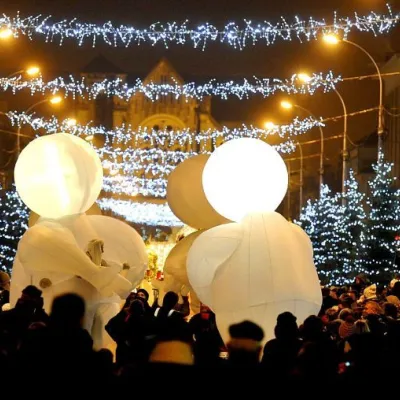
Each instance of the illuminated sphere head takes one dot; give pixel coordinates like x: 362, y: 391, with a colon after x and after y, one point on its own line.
x: 245, y: 176
x: 58, y: 175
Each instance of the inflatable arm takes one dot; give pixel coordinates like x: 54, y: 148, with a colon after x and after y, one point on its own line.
x: 52, y: 248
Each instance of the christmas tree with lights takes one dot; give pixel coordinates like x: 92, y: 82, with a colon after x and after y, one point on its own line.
x: 319, y: 218
x: 351, y: 231
x: 13, y: 224
x: 383, y: 223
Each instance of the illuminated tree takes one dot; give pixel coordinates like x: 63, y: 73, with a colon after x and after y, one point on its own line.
x: 383, y: 223
x: 13, y: 224
x: 319, y: 218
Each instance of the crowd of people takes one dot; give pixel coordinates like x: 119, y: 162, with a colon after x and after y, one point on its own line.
x: 356, y: 336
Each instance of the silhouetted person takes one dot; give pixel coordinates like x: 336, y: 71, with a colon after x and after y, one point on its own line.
x: 280, y: 354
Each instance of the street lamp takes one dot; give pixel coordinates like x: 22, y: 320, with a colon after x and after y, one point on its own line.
x: 31, y: 71
x: 301, y: 178
x: 53, y: 100
x: 269, y: 125
x: 334, y: 40
x: 288, y: 106
x: 71, y: 122
x: 306, y: 78
x: 5, y: 33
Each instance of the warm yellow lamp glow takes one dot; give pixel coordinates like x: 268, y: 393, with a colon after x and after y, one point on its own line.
x: 89, y: 138
x: 56, y: 100
x: 269, y: 125
x: 331, y: 39
x: 71, y: 122
x: 32, y: 71
x: 303, y: 77
x: 287, y: 105
x: 5, y: 33
x: 114, y: 172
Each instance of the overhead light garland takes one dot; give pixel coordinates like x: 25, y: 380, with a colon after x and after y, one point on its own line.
x: 154, y: 91
x: 124, y: 134
x: 141, y: 213
x: 236, y: 35
x: 139, y: 162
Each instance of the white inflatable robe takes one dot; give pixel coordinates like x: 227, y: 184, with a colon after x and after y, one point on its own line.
x: 255, y: 270
x: 49, y: 252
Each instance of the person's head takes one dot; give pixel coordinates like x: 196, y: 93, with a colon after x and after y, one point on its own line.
x: 360, y: 327
x: 345, y: 313
x: 332, y: 313
x: 174, y: 343
x: 4, y: 281
x: 68, y: 310
x: 370, y: 293
x: 390, y: 310
x: 31, y: 298
x: 396, y: 289
x: 312, y: 328
x: 245, y: 345
x: 170, y: 300
x: 136, y: 308
x: 372, y: 308
x: 286, y: 326
x: 143, y: 294
x: 353, y: 295
x: 333, y: 292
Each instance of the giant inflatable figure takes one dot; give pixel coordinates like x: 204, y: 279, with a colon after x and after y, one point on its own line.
x: 261, y: 265
x: 59, y: 177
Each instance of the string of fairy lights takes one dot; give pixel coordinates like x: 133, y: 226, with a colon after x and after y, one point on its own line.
x: 154, y: 91
x: 139, y: 162
x: 236, y: 35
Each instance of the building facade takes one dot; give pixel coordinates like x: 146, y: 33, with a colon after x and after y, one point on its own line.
x: 141, y: 165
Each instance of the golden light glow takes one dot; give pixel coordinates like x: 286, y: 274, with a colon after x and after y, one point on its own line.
x: 287, y: 105
x: 331, y: 39
x: 32, y: 71
x: 303, y: 77
x: 5, y: 33
x: 269, y: 125
x: 71, y: 122
x: 56, y: 100
x: 114, y: 172
x: 89, y: 138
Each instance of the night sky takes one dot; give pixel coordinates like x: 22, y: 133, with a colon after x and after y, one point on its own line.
x: 280, y: 60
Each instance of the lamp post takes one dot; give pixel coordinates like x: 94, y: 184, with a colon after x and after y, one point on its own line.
x: 334, y: 40
x: 306, y: 78
x: 31, y: 71
x: 287, y: 106
x: 301, y: 178
x: 54, y: 100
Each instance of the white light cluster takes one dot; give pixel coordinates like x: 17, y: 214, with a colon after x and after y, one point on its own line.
x: 139, y: 162
x: 349, y: 238
x: 154, y: 91
x: 13, y: 224
x: 384, y: 221
x: 233, y: 34
x: 141, y: 213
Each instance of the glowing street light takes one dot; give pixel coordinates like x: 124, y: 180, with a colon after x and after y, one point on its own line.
x: 287, y: 105
x: 32, y: 71
x: 331, y: 39
x: 269, y: 125
x: 56, y: 100
x: 5, y: 33
x: 303, y: 77
x: 71, y: 122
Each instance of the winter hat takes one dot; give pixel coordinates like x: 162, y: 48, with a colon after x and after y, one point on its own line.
x: 392, y: 282
x: 370, y: 292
